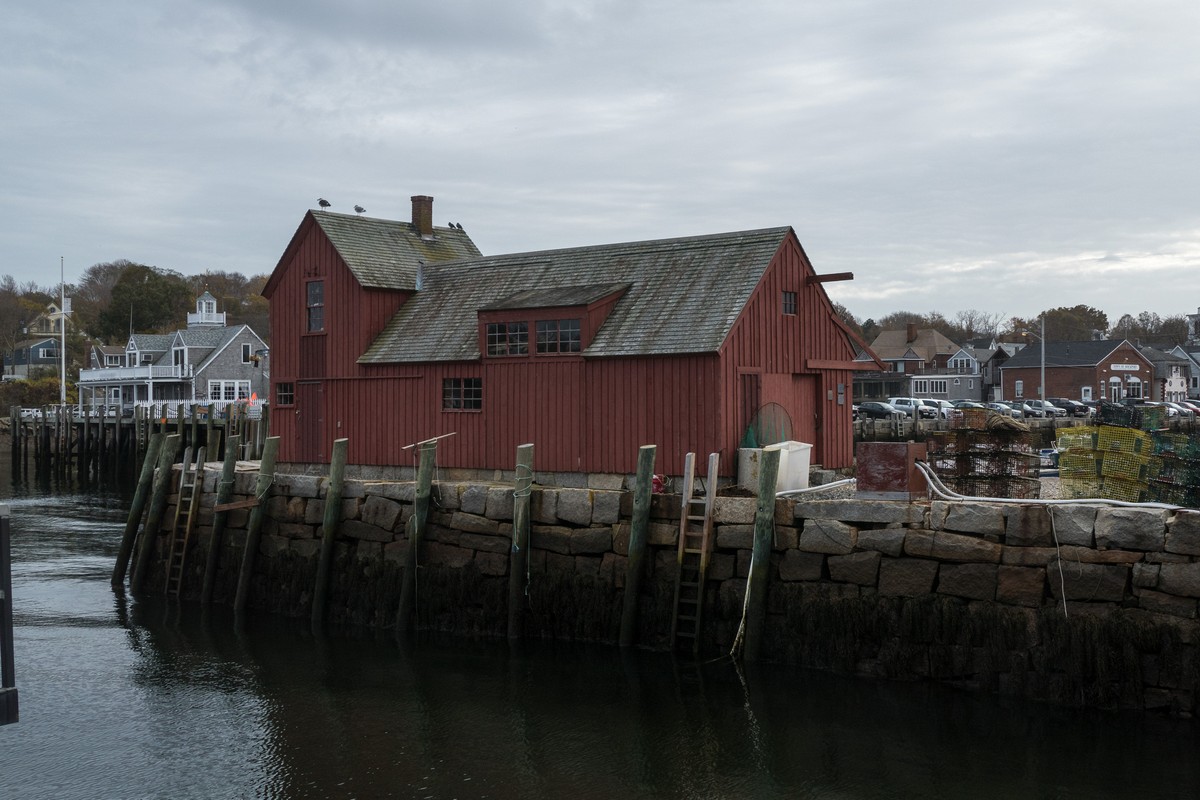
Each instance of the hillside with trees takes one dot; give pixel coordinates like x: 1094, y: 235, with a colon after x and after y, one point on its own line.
x: 112, y: 300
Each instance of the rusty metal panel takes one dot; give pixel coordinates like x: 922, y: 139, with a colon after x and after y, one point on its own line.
x: 888, y: 471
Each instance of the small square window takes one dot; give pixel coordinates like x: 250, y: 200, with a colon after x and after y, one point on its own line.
x: 508, y: 338
x: 789, y: 302
x: 462, y: 394
x: 285, y: 393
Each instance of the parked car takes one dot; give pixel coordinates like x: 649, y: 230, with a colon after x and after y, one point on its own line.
x: 912, y: 407
x: 1046, y: 408
x: 1194, y: 405
x: 1002, y: 408
x: 1027, y: 409
x: 1171, y: 408
x: 875, y: 409
x: 1184, y: 410
x: 942, y: 408
x: 967, y: 404
x: 1074, y: 408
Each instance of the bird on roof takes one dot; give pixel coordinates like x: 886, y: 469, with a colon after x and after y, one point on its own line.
x: 322, y: 202
x: 359, y: 209
x: 458, y: 225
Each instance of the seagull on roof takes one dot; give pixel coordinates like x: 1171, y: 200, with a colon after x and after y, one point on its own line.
x: 322, y: 202
x: 359, y: 209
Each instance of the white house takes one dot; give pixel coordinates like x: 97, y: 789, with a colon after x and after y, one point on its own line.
x: 206, y: 362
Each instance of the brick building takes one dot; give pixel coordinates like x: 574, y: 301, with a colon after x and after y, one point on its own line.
x: 1110, y: 369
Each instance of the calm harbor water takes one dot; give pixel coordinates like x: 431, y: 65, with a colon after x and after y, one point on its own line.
x: 138, y: 698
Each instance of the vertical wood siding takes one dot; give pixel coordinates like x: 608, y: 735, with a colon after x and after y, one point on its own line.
x: 780, y: 345
x: 582, y: 414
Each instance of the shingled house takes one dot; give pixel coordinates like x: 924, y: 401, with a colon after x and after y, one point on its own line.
x: 388, y: 333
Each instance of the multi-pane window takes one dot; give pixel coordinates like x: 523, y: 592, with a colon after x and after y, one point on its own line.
x: 315, y: 304
x: 789, y: 302
x: 508, y: 338
x: 229, y: 390
x: 285, y: 394
x: 558, y: 336
x: 1020, y: 388
x: 462, y: 394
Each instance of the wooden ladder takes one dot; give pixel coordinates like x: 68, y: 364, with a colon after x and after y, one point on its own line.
x: 185, y: 515
x: 695, y: 545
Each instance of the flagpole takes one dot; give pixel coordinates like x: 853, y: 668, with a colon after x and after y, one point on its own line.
x: 62, y: 324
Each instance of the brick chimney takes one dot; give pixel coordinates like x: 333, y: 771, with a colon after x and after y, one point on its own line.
x: 911, y: 331
x: 422, y: 215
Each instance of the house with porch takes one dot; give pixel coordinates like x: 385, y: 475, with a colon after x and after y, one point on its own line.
x: 389, y: 333
x: 1100, y: 369
x: 912, y: 357
x: 207, y: 362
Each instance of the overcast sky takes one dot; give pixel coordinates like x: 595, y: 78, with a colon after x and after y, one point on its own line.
x: 1007, y: 157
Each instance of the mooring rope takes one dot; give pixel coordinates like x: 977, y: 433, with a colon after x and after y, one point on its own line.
x: 1062, y: 581
x: 523, y: 487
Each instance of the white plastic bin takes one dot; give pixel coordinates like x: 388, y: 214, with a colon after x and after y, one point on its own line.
x: 794, y: 462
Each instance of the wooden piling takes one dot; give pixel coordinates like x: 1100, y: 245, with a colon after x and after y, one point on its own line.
x: 266, y: 475
x: 760, y: 559
x: 518, y: 559
x: 416, y: 532
x: 158, y: 506
x: 212, y: 445
x: 135, y: 511
x: 329, y: 526
x: 9, y: 707
x: 220, y: 516
x: 638, y: 528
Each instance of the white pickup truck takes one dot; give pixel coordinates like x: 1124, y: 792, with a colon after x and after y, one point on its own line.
x: 913, y: 407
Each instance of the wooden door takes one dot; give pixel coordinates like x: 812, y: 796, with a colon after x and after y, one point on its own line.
x: 310, y: 419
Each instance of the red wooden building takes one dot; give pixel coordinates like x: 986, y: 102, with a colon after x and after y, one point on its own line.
x: 388, y: 333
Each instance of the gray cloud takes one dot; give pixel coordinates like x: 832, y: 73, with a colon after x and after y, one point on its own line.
x: 951, y: 156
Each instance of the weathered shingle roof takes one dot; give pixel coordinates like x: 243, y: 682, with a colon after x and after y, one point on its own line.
x: 1065, y: 354
x: 684, y: 295
x: 152, y: 342
x: 383, y: 253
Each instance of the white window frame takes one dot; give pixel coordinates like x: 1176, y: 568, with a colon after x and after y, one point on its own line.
x: 228, y: 391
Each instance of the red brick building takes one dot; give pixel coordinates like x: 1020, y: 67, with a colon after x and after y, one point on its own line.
x: 1108, y: 369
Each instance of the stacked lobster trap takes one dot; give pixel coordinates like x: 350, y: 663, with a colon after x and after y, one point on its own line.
x: 985, y: 454
x: 1129, y: 456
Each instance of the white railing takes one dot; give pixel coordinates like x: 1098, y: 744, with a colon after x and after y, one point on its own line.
x: 220, y: 408
x: 206, y: 318
x: 127, y: 374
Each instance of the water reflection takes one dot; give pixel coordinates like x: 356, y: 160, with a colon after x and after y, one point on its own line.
x: 139, y: 697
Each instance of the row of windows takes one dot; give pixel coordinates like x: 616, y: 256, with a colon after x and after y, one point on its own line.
x: 229, y: 390
x: 552, y: 336
x: 926, y: 386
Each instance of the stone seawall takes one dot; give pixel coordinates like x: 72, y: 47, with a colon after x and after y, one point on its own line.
x: 1071, y: 604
